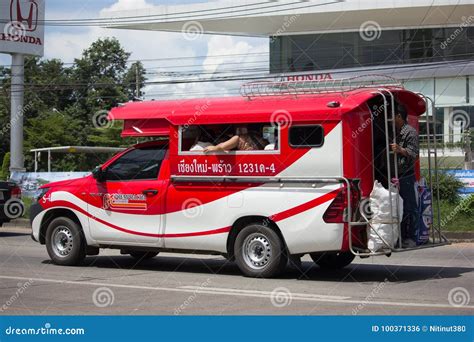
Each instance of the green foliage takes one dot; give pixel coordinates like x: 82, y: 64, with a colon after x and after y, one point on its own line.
x: 5, y: 171
x: 448, y: 186
x: 59, y: 109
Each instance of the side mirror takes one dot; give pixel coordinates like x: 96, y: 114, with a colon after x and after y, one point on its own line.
x: 98, y: 173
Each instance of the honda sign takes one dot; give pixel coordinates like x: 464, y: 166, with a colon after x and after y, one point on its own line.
x: 21, y: 26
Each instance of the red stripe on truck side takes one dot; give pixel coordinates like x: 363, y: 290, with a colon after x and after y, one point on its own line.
x: 276, y: 217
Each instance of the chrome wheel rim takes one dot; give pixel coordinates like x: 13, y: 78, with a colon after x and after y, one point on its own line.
x: 257, y: 251
x: 62, y: 241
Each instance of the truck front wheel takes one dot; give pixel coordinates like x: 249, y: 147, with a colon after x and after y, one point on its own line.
x: 65, y: 242
x: 259, y: 252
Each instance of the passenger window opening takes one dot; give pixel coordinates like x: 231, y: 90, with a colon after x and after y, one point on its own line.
x: 137, y: 164
x: 237, y: 138
x: 306, y: 136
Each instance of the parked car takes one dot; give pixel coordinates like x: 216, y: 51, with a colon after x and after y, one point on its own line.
x: 11, y: 206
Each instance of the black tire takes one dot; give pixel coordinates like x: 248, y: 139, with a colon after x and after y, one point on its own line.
x: 143, y: 255
x: 65, y: 242
x: 259, y: 252
x: 332, y: 261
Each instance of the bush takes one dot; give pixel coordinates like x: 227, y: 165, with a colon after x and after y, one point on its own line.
x: 449, y: 186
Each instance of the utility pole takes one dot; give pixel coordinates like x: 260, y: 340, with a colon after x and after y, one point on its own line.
x: 16, y: 116
x: 137, y: 82
x: 467, y: 151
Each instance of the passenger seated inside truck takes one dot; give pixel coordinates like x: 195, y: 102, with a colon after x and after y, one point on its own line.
x: 246, y: 138
x: 249, y: 137
x: 202, y: 140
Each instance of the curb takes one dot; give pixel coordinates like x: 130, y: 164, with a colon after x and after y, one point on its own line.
x: 460, y: 236
x: 18, y: 223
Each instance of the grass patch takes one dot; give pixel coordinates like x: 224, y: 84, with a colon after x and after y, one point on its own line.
x: 457, y: 217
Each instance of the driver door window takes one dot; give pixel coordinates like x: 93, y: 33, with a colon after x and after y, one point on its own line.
x: 137, y: 164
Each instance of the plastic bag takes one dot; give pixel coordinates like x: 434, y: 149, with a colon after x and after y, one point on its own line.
x: 383, y: 221
x: 425, y: 213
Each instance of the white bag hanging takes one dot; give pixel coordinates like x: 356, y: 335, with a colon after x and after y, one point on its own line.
x: 384, y: 221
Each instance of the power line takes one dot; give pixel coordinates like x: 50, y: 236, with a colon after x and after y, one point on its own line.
x: 130, y: 61
x: 113, y: 21
x: 177, y: 69
x: 231, y: 78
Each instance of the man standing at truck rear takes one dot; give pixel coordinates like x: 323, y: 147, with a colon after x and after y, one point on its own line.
x: 407, y: 149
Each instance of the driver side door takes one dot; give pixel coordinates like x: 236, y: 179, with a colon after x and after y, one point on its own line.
x: 127, y: 206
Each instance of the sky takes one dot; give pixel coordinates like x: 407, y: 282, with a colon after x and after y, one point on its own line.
x: 67, y: 43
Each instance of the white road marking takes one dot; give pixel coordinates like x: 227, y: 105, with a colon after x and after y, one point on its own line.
x: 242, y: 293
x: 220, y: 290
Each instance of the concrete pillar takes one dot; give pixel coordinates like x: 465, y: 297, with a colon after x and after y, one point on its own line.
x: 446, y: 126
x: 16, y: 118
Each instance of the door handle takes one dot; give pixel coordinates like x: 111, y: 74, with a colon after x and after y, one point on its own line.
x: 150, y: 192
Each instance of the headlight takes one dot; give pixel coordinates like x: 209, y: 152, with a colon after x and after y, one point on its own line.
x: 40, y: 193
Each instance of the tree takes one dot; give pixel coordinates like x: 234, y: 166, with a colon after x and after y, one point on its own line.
x: 5, y: 171
x: 62, y: 102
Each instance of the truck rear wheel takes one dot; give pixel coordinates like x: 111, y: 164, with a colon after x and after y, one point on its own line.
x: 259, y: 252
x: 333, y: 261
x: 143, y: 255
x: 65, y: 242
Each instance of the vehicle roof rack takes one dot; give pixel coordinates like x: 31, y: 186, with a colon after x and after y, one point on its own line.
x: 295, y: 88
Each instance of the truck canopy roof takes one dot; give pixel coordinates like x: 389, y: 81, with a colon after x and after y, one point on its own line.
x: 152, y: 118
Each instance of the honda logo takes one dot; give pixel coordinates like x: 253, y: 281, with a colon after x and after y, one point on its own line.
x: 24, y: 14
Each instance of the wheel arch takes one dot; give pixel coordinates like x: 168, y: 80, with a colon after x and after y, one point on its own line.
x: 245, y: 221
x: 50, y: 215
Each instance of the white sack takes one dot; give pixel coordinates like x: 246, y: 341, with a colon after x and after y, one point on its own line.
x: 381, y: 216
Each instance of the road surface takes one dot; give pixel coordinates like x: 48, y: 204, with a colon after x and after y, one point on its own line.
x: 430, y: 281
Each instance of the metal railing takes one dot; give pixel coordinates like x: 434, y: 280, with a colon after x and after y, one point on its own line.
x: 295, y: 88
x: 437, y: 237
